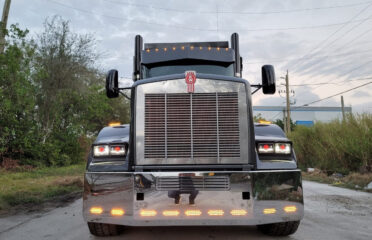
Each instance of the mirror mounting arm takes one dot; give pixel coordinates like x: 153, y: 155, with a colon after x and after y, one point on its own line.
x: 123, y: 94
x: 258, y: 86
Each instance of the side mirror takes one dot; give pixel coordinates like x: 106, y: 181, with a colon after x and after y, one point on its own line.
x: 268, y: 79
x: 112, y: 84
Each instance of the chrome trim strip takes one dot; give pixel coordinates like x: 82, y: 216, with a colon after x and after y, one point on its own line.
x: 258, y: 171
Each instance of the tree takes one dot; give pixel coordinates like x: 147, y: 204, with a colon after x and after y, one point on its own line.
x: 19, y: 131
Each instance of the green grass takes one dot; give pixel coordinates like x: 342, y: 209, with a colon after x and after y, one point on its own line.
x: 338, y: 146
x: 38, y: 185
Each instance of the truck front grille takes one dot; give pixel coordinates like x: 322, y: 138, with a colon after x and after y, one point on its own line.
x: 200, y: 125
x: 210, y: 183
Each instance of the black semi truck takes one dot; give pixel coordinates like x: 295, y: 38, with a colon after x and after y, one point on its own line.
x: 191, y: 155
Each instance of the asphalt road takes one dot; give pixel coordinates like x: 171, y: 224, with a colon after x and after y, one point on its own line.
x: 330, y: 213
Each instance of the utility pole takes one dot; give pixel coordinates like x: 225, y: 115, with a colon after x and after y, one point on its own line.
x: 343, y: 108
x: 4, y: 21
x: 288, y: 104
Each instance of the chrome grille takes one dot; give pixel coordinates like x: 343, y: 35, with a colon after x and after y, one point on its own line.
x: 200, y: 125
x: 211, y: 183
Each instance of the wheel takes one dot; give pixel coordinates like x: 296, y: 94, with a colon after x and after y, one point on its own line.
x: 279, y: 229
x: 104, y: 230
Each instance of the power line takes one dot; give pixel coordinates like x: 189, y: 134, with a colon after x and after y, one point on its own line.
x: 292, y: 59
x: 351, y: 89
x: 327, y: 83
x: 206, y: 29
x: 334, y: 95
x: 349, y: 71
x: 343, y: 35
x: 332, y: 34
x: 234, y: 12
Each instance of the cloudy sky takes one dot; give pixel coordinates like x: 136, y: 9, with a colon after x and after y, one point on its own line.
x: 318, y: 41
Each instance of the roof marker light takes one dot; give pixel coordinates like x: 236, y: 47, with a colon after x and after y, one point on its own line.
x: 191, y: 47
x: 227, y: 49
x: 165, y: 49
x: 174, y: 48
x: 201, y: 48
x: 209, y: 48
x: 148, y: 50
x: 156, y: 49
x: 183, y: 47
x: 218, y: 49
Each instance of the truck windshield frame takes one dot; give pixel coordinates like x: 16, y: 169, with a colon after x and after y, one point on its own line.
x: 177, y: 67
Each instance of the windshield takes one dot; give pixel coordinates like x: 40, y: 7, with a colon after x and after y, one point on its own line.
x: 225, y: 69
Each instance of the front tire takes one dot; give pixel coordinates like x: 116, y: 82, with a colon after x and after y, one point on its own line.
x: 104, y: 230
x: 279, y: 229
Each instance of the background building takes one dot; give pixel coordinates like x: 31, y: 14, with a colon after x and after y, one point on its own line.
x: 301, y: 115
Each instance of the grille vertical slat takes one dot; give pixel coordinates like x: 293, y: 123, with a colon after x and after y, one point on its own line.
x: 201, y: 125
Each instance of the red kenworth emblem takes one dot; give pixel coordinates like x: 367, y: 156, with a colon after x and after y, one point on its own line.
x: 190, y: 78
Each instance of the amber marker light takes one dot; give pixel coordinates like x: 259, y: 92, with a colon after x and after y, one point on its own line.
x: 227, y: 49
x: 148, y: 50
x: 193, y: 213
x: 238, y: 212
x: 183, y: 47
x: 165, y: 49
x: 290, y: 209
x: 209, y: 48
x: 156, y: 49
x: 201, y: 48
x: 217, y: 212
x: 114, y: 124
x: 174, y: 48
x: 96, y: 210
x: 148, y: 213
x: 192, y: 48
x: 218, y: 49
x: 117, y: 212
x: 171, y: 213
x: 269, y: 211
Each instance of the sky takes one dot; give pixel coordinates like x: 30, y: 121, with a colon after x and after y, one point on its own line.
x: 326, y: 45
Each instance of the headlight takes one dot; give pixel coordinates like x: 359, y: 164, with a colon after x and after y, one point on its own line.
x: 274, y: 148
x: 106, y: 150
x: 101, y: 150
x: 266, y: 148
x: 283, y: 148
x: 117, y: 150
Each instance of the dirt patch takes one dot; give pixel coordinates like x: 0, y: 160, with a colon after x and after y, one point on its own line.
x: 50, y: 204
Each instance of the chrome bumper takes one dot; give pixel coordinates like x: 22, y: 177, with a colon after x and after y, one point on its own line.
x: 250, y: 198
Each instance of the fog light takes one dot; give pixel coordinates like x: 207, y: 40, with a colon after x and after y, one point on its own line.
x: 171, y: 213
x: 290, y: 209
x: 193, y: 213
x: 216, y: 212
x: 238, y: 212
x: 117, y: 212
x: 269, y: 211
x: 96, y: 210
x: 148, y: 213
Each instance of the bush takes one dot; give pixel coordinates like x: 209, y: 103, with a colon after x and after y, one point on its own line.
x: 341, y: 146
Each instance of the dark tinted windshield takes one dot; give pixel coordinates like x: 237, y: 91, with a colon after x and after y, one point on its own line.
x: 268, y: 130
x: 225, y: 69
x: 119, y: 131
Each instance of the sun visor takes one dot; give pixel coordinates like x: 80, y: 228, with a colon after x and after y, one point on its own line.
x: 173, y: 53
